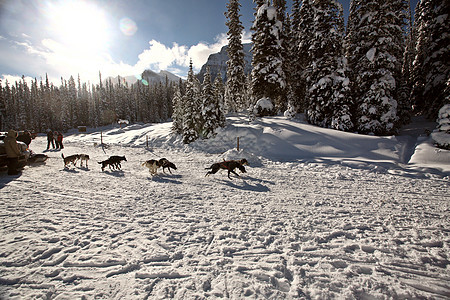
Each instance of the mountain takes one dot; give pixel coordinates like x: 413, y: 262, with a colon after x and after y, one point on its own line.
x: 153, y: 77
x: 217, y: 63
x: 148, y: 75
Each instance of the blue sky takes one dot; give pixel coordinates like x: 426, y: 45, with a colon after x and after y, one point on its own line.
x: 71, y: 37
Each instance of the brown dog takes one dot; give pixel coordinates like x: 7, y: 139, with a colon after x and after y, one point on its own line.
x: 229, y: 165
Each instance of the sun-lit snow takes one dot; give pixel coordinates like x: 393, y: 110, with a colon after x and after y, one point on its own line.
x: 319, y: 214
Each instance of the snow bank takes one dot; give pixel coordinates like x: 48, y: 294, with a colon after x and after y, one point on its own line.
x: 280, y: 139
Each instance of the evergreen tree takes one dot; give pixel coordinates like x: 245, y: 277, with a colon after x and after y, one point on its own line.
x: 328, y: 93
x: 219, y: 92
x: 234, y: 95
x: 210, y: 107
x: 290, y: 70
x: 303, y: 30
x: 405, y: 86
x: 177, y: 115
x: 192, y: 114
x: 285, y: 40
x: 432, y: 62
x: 375, y: 50
x: 268, y: 78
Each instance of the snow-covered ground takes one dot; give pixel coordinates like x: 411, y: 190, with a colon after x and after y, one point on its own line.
x: 320, y: 214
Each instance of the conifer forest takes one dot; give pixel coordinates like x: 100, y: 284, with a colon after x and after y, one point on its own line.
x: 367, y: 75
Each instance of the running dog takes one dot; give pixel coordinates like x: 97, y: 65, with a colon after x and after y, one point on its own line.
x: 229, y: 165
x: 70, y: 159
x: 153, y: 165
x: 165, y: 163
x: 85, y: 158
x: 113, y: 161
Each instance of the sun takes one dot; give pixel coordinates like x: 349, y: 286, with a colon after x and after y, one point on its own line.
x: 80, y: 25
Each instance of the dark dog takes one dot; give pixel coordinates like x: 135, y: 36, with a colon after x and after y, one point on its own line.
x: 113, y: 161
x: 229, y: 165
x: 166, y: 164
x: 154, y: 164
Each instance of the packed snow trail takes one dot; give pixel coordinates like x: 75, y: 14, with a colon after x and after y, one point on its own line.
x: 299, y: 230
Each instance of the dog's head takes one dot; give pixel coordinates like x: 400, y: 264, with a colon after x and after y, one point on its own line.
x: 123, y: 158
x: 242, y: 169
x: 243, y: 162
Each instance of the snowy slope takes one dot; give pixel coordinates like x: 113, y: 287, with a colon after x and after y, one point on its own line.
x: 319, y: 214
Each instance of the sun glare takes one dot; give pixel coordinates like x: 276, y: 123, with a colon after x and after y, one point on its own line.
x: 80, y: 25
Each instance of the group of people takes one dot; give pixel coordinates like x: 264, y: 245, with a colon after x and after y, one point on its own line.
x: 12, y: 148
x: 54, y: 138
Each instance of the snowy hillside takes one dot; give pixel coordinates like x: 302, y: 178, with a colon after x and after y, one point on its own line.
x: 319, y: 214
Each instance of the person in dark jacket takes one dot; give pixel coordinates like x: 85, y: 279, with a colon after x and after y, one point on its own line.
x: 50, y: 139
x: 25, y: 137
x: 59, y: 139
x: 12, y: 152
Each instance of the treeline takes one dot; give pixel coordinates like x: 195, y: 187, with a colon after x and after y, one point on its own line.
x: 370, y: 77
x: 73, y: 103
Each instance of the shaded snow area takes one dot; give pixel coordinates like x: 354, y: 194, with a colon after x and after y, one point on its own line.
x: 320, y: 214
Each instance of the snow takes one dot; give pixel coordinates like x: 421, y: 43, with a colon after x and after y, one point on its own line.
x: 319, y: 214
x: 371, y: 54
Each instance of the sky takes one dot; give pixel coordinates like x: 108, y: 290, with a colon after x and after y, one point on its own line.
x: 64, y: 38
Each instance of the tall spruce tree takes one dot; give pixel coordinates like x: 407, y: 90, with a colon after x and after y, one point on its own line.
x: 431, y: 71
x: 177, y: 115
x: 235, y: 85
x: 191, y: 112
x: 404, y: 110
x: 303, y: 29
x: 268, y: 78
x: 219, y: 94
x: 210, y: 107
x: 328, y: 93
x: 375, y: 49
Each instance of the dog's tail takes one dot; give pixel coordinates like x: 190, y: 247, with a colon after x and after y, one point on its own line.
x: 62, y: 155
x: 143, y: 164
x: 99, y: 162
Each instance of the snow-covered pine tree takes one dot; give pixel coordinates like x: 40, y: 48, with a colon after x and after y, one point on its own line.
x: 268, y: 78
x: 375, y: 53
x: 432, y: 62
x: 210, y: 107
x: 405, y: 86
x: 219, y: 89
x: 284, y: 36
x: 328, y: 93
x: 177, y: 115
x: 441, y: 136
x: 235, y: 85
x: 2, y: 109
x: 192, y: 114
x: 290, y: 69
x: 303, y: 29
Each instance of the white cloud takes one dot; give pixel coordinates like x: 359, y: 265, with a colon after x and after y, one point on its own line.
x: 12, y: 79
x: 60, y: 60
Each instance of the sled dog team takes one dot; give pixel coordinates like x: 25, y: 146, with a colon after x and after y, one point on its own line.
x: 113, y: 162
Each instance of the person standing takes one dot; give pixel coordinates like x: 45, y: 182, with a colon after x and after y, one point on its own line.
x: 59, y: 140
x: 50, y: 139
x: 12, y: 152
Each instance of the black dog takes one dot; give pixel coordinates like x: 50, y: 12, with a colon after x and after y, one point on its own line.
x: 113, y: 161
x: 229, y: 165
x: 165, y: 163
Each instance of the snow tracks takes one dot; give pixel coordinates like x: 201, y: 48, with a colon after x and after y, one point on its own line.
x: 283, y: 231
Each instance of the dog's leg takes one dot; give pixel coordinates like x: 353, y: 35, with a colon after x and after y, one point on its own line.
x: 232, y: 171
